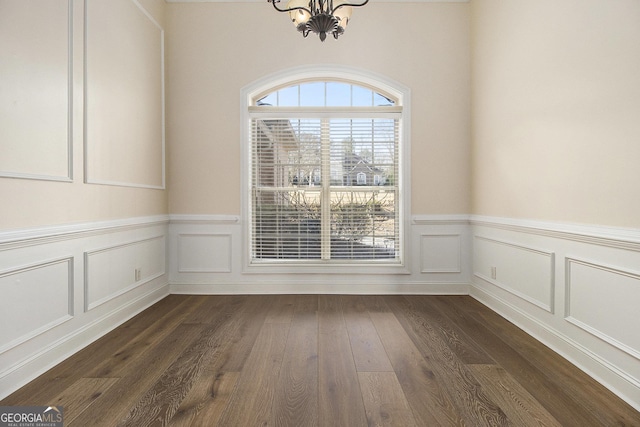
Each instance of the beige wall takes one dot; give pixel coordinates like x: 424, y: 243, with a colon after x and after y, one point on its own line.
x: 40, y: 148
x: 556, y: 110
x: 555, y: 101
x: 215, y: 49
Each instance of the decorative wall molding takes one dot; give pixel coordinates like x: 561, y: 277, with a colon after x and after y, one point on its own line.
x: 440, y: 219
x: 38, y: 177
x: 19, y: 278
x: 226, y: 219
x: 615, y: 283
x: 88, y: 175
x: 614, y: 237
x: 125, y: 269
x: 13, y: 239
x: 525, y: 254
x: 204, y: 219
x: 209, y: 252
x: 69, y: 123
x: 448, y: 250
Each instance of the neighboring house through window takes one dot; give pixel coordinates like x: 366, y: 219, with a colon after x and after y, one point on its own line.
x: 324, y: 172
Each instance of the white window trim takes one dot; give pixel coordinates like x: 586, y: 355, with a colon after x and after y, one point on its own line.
x: 357, y: 76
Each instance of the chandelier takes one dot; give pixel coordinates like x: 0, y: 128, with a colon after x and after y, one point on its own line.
x: 321, y: 17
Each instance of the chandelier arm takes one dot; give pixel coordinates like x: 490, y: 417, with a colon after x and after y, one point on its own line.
x: 348, y: 4
x: 290, y: 8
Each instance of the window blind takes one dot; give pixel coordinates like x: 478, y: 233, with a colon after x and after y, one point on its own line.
x: 325, y: 188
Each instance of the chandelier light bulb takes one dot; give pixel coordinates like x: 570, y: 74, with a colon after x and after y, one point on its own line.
x: 299, y: 16
x: 342, y: 14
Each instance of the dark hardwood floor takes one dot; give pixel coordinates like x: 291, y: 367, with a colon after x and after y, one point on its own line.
x: 309, y: 360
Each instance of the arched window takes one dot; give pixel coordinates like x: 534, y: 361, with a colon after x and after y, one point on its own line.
x: 324, y: 172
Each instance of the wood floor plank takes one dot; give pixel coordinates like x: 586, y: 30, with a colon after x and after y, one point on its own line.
x: 375, y: 303
x: 296, y: 393
x: 174, y: 304
x: 116, y: 402
x: 255, y: 309
x: 463, y: 389
x: 384, y: 400
x: 79, y: 397
x: 368, y: 352
x: 163, y: 398
x: 554, y: 399
x: 118, y: 362
x: 515, y: 401
x: 211, y: 391
x: 340, y: 399
x: 252, y: 399
x: 428, y: 399
x: 466, y: 349
x: 206, y: 412
x: 210, y: 307
x: 281, y: 310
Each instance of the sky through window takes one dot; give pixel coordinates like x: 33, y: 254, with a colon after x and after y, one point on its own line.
x: 325, y: 94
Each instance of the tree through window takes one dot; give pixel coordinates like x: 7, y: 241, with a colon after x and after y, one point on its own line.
x: 324, y: 168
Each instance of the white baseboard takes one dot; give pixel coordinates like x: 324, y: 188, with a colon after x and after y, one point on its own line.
x: 320, y: 287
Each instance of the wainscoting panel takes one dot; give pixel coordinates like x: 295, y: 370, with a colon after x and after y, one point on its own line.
x: 115, y: 270
x: 46, y: 287
x: 589, y: 297
x: 44, y: 291
x: 441, y: 253
x: 592, y: 290
x: 524, y: 271
x: 204, y: 253
x: 206, y: 257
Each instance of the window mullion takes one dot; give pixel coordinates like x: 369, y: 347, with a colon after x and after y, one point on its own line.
x: 325, y: 204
